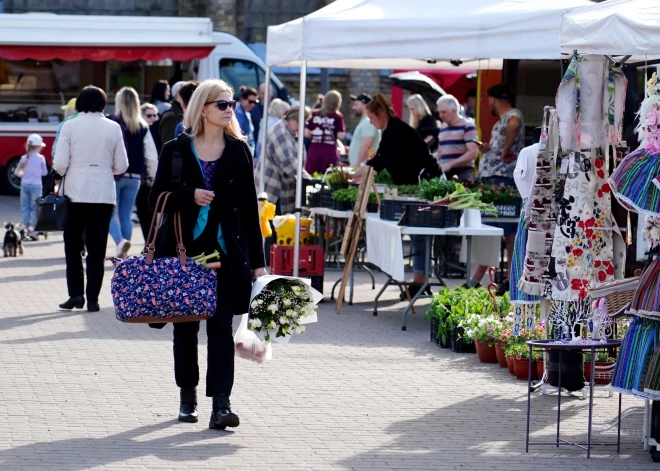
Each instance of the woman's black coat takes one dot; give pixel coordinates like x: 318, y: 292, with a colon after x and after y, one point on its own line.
x: 234, y: 207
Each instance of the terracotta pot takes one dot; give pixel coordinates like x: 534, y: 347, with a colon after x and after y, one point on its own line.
x: 509, y: 364
x: 539, y: 369
x: 486, y: 353
x: 521, y: 368
x: 597, y: 379
x: 499, y: 352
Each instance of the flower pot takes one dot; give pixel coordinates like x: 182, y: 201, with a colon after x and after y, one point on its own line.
x: 602, y: 377
x: 486, y: 353
x: 509, y: 364
x: 499, y: 352
x: 540, y: 368
x: 521, y: 368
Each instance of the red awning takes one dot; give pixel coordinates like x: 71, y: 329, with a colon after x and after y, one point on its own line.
x: 104, y: 53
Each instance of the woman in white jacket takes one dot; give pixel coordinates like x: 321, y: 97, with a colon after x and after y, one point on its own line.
x: 90, y: 151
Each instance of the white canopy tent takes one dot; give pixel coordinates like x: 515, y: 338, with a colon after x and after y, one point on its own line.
x: 391, y: 34
x: 615, y: 27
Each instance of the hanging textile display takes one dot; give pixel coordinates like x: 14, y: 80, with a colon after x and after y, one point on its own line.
x: 635, y: 354
x: 635, y: 180
x: 540, y: 210
x: 646, y: 301
x: 590, y: 103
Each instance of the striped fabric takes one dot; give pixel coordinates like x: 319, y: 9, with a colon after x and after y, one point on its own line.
x: 452, y: 140
x: 632, y: 365
x: 517, y: 264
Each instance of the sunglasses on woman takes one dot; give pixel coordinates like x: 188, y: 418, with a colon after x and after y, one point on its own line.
x: 150, y: 116
x: 223, y: 104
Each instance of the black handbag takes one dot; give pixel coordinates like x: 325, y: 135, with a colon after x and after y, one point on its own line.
x: 53, y: 212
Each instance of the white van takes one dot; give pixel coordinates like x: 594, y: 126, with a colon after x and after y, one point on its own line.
x: 45, y: 59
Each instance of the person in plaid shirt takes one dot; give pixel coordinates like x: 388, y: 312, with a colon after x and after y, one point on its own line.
x: 281, y: 162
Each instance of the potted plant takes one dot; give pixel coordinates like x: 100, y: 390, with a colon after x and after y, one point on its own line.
x: 342, y: 199
x: 505, y: 333
x: 603, y: 367
x: 540, y: 367
x: 519, y: 353
x: 485, y: 331
x: 338, y: 179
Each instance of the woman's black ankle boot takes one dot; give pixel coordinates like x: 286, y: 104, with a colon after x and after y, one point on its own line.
x: 188, y: 408
x: 222, y: 416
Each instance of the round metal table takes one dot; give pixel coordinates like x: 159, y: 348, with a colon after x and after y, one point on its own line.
x: 555, y: 345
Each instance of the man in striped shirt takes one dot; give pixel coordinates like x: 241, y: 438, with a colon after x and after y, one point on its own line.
x: 456, y: 150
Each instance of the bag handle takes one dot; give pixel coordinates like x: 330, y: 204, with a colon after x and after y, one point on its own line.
x: 153, y: 226
x: 159, y: 210
x: 150, y: 248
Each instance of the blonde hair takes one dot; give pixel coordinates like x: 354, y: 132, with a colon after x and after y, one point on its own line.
x: 127, y: 107
x: 331, y: 102
x: 422, y: 109
x: 148, y: 106
x: 209, y: 90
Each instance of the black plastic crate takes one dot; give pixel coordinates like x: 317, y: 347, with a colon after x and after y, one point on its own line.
x: 392, y: 210
x: 424, y: 215
x: 326, y: 198
x: 460, y: 343
x: 434, y: 330
x: 372, y: 207
x: 343, y: 205
x: 314, y: 199
x: 509, y: 210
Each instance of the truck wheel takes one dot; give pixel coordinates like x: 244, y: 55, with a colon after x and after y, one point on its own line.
x: 9, y: 183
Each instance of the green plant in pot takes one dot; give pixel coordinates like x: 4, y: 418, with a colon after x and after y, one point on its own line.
x: 338, y: 179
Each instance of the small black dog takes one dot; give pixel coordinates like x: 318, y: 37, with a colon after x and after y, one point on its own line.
x: 12, y: 244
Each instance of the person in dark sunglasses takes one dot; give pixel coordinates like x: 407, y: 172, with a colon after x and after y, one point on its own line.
x: 248, y: 98
x: 209, y: 170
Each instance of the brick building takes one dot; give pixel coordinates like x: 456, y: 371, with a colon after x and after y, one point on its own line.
x: 247, y: 19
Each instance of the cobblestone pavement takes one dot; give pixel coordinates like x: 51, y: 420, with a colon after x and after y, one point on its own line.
x: 83, y: 391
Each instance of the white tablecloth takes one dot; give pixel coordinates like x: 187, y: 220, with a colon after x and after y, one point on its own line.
x: 385, y: 247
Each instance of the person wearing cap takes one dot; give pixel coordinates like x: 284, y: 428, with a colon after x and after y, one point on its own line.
x: 281, y: 162
x: 365, y: 135
x: 31, y: 168
x: 499, y: 157
x: 69, y: 113
x: 172, y: 116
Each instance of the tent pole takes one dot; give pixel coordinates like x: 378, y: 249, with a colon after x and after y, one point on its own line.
x: 301, y: 150
x: 263, y: 130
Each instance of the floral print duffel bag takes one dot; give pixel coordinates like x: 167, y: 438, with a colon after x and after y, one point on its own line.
x: 169, y: 289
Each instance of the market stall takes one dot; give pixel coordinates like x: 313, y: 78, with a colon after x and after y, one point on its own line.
x: 398, y: 37
x: 625, y: 27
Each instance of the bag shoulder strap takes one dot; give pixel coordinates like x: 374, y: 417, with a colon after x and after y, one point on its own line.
x: 156, y: 222
x: 177, y: 166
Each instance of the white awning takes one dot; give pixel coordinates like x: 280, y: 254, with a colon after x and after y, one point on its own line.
x: 392, y: 34
x: 615, y: 27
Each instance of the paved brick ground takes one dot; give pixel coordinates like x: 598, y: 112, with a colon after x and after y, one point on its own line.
x: 83, y: 391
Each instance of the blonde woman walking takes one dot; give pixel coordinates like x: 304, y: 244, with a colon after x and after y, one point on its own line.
x: 422, y: 121
x: 142, y: 162
x: 214, y: 194
x: 324, y: 128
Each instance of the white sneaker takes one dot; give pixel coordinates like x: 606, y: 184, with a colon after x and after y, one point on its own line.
x: 122, y: 248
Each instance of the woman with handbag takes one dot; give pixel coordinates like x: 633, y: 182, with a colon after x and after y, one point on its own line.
x: 142, y: 162
x: 209, y: 171
x: 90, y: 151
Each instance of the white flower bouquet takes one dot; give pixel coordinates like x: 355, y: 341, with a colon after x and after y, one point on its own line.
x: 280, y: 306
